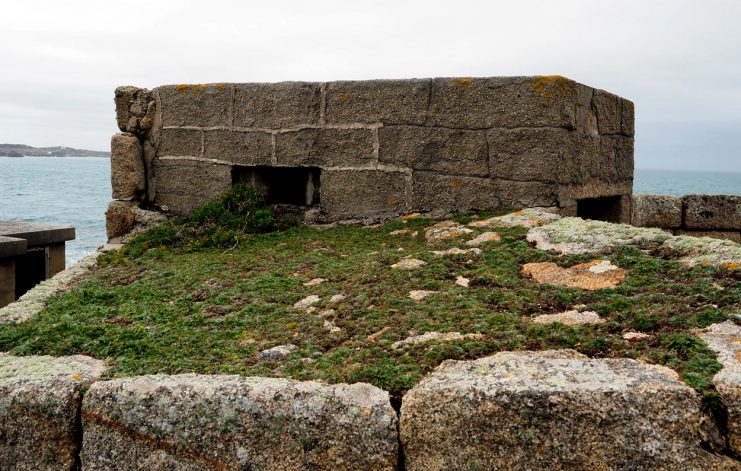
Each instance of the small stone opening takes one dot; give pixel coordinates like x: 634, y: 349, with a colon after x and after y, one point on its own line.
x: 294, y: 186
x: 606, y: 208
x: 30, y: 269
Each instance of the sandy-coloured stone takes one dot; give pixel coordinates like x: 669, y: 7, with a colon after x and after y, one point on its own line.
x: 528, y: 217
x: 635, y: 336
x: 572, y: 235
x: 331, y: 327
x: 457, y: 251
x: 34, y: 300
x: 462, y: 281
x: 315, y: 281
x: 445, y: 230
x: 326, y: 313
x: 483, y: 238
x: 399, y: 232
x: 127, y: 167
x: 307, y: 301
x: 571, y: 318
x: 553, y: 410
x: 656, y: 211
x: 420, y: 294
x: 725, y: 340
x: 373, y: 338
x: 435, y: 336
x: 597, y: 274
x: 40, y: 399
x: 280, y: 352
x: 409, y: 264
x: 194, y: 422
x: 337, y: 298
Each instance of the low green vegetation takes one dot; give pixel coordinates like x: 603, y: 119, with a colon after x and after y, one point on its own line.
x: 207, y: 294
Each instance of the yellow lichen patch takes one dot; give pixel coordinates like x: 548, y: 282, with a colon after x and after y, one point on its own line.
x: 550, y: 87
x: 731, y: 266
x: 193, y: 89
x: 76, y: 377
x: 344, y: 97
x: 456, y: 183
x: 392, y: 201
x: 462, y: 82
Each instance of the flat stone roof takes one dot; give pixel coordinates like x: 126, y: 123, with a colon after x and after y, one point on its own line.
x: 36, y: 234
x: 12, y: 246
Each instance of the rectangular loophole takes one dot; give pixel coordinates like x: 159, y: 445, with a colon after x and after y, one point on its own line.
x: 298, y: 186
x: 606, y: 208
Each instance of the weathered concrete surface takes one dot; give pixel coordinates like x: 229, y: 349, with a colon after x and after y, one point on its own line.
x: 378, y: 101
x: 190, y: 422
x: 705, y: 251
x: 376, y: 195
x: 712, y: 212
x: 575, y: 235
x: 183, y: 185
x: 725, y: 340
x: 553, y: 410
x: 128, y: 178
x: 34, y: 300
x: 39, y: 408
x: 657, y: 211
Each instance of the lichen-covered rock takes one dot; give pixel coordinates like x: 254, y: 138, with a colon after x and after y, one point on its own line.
x: 656, y: 211
x: 194, y: 422
x: 725, y: 340
x: 553, y: 410
x: 437, y: 337
x: 597, y: 274
x: 280, y: 352
x: 529, y: 217
x: 571, y: 318
x: 409, y: 264
x: 573, y: 235
x: 39, y: 407
x: 706, y: 251
x: 33, y: 301
x: 483, y: 238
x: 445, y: 230
x: 119, y: 219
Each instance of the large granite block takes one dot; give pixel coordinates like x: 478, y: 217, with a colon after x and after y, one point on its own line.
x: 553, y: 410
x: 127, y: 167
x: 180, y: 142
x: 712, y: 212
x: 244, y: 148
x: 196, y: 105
x: 360, y: 194
x: 516, y: 194
x: 194, y: 422
x: 446, y: 193
x: 448, y: 151
x: 276, y: 105
x: 476, y: 103
x: 546, y: 154
x: 326, y: 147
x: 40, y: 399
x: 182, y: 184
x: 657, y: 211
x: 377, y: 101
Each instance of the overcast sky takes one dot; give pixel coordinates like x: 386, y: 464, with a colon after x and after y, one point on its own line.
x: 679, y: 61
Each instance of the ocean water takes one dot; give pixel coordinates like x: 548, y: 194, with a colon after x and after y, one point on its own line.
x: 76, y: 190
x: 72, y: 191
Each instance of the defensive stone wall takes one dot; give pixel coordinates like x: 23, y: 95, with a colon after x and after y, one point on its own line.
x: 716, y: 216
x: 377, y: 149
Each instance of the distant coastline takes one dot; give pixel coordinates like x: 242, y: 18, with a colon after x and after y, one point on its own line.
x: 22, y: 150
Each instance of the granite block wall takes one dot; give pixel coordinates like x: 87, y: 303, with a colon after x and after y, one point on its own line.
x: 381, y: 148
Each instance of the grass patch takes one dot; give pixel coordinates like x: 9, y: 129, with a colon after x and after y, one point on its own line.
x: 206, y: 294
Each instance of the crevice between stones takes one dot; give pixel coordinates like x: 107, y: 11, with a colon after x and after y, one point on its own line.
x: 395, y: 401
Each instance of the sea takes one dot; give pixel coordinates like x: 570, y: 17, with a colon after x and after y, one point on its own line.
x: 76, y: 190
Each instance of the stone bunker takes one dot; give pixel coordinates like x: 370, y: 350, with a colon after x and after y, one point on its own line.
x: 377, y: 149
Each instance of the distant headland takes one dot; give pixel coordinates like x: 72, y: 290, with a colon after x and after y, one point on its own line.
x: 22, y: 150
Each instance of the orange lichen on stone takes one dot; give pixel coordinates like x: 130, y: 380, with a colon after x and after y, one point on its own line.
x: 344, y: 97
x: 590, y: 276
x: 462, y: 82
x: 76, y: 377
x: 731, y: 266
x: 393, y: 201
x: 551, y: 87
x: 193, y: 89
x: 456, y: 183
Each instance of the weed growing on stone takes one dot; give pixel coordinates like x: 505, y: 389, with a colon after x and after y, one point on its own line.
x: 175, y: 300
